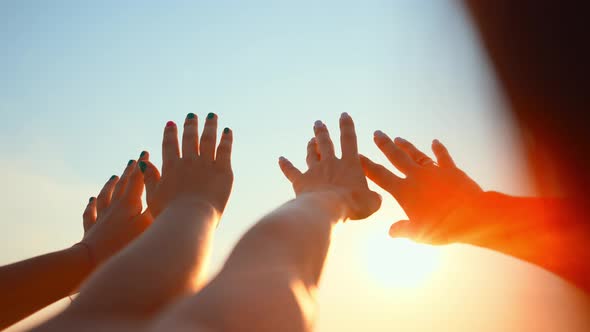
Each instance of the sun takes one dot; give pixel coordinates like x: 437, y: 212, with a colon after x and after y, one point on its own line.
x: 399, y: 263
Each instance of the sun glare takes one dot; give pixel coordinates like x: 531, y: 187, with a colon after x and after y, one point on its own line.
x: 400, y: 263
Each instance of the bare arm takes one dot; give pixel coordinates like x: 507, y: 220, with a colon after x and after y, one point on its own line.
x: 269, y: 281
x: 168, y: 261
x: 541, y: 231
x: 35, y: 283
x: 445, y: 206
x: 31, y: 285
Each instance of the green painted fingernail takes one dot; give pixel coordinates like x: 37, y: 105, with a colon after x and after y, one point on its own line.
x: 210, y: 115
x: 226, y: 130
x: 142, y: 166
x: 130, y: 162
x: 190, y: 116
x: 143, y: 153
x: 113, y: 177
x: 91, y: 199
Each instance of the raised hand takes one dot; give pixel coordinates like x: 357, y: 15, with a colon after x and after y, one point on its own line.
x: 114, y: 218
x: 201, y: 174
x: 329, y: 174
x: 429, y: 193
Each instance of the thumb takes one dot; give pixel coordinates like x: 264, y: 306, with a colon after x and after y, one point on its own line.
x: 404, y: 229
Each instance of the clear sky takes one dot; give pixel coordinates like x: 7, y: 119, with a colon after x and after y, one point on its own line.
x: 86, y: 86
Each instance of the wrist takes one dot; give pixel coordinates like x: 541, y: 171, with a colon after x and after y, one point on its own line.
x: 84, y: 254
x: 477, y: 215
x: 192, y: 205
x: 332, y: 202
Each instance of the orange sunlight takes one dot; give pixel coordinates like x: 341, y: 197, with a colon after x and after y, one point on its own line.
x: 399, y: 263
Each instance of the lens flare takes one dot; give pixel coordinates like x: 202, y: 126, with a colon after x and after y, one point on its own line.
x: 399, y: 263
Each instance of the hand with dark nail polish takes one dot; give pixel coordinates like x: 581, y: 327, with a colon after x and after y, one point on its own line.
x: 201, y: 173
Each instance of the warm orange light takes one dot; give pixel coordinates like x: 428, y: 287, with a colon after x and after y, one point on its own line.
x: 399, y: 263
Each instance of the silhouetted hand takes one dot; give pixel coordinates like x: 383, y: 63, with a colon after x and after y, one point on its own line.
x: 200, y: 176
x: 329, y: 174
x: 114, y: 218
x: 428, y: 194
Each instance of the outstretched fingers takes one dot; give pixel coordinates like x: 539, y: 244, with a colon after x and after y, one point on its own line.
x: 313, y: 154
x: 223, y: 155
x: 89, y: 215
x: 442, y: 154
x: 325, y: 145
x: 380, y: 175
x: 104, y: 197
x: 122, y: 183
x: 170, y: 149
x: 418, y: 156
x: 190, y: 136
x: 291, y: 172
x: 209, y: 137
x: 348, y: 141
x: 134, y: 188
x: 151, y: 176
x: 398, y: 157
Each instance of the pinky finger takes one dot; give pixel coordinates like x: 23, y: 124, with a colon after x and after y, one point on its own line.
x: 89, y: 215
x: 291, y: 172
x: 223, y: 155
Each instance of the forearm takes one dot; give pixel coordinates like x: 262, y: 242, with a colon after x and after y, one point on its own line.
x: 295, y: 237
x: 267, y: 283
x: 167, y: 261
x: 542, y: 231
x: 33, y: 284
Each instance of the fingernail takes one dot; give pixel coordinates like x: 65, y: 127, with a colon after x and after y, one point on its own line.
x: 190, y: 116
x: 345, y: 115
x: 91, y: 199
x: 210, y: 115
x: 170, y: 124
x: 281, y: 158
x: 113, y: 177
x: 130, y: 162
x: 318, y: 124
x: 379, y: 133
x: 142, y: 166
x: 226, y: 130
x: 401, y: 140
x: 142, y: 154
x: 435, y: 141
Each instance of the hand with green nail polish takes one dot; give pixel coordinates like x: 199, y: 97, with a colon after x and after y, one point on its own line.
x: 111, y: 221
x: 203, y: 174
x: 114, y: 218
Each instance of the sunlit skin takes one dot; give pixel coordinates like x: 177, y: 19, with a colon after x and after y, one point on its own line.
x: 172, y: 256
x: 111, y: 221
x: 267, y: 284
x: 445, y: 206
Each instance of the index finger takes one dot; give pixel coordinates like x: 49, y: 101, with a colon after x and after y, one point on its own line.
x: 398, y: 157
x: 348, y: 141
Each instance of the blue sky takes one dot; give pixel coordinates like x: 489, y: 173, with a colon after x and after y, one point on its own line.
x: 86, y: 86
